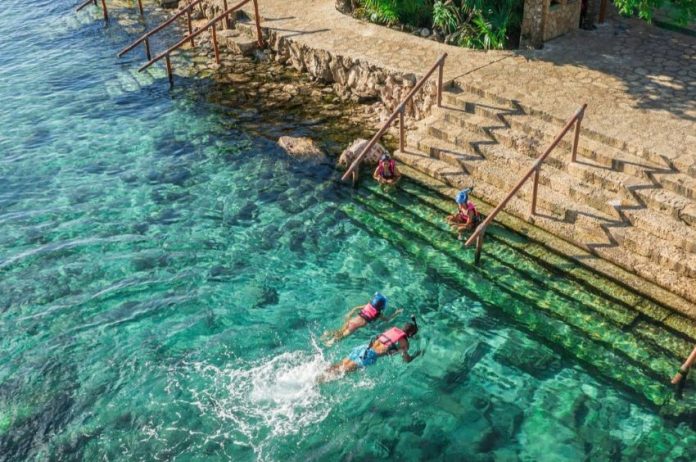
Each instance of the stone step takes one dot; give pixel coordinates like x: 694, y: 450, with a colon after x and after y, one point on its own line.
x: 498, y: 176
x: 426, y: 223
x: 619, y: 194
x: 586, y: 349
x: 500, y: 156
x: 530, y: 268
x: 535, y: 135
x: 551, y: 213
x: 582, y: 232
x: 439, y: 195
x: 569, y: 199
x: 237, y: 42
x: 484, y: 97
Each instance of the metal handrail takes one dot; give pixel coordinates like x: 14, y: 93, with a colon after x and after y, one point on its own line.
x: 104, y: 9
x: 400, y: 109
x: 684, y: 369
x: 480, y: 231
x: 210, y: 24
x: 145, y: 37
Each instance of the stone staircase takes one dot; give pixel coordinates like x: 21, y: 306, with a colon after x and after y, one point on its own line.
x: 624, y: 205
x: 608, y: 328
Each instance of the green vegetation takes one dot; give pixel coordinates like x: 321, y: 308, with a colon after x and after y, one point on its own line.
x: 479, y: 23
x: 416, y: 13
x: 483, y: 24
x: 681, y: 11
x: 494, y: 24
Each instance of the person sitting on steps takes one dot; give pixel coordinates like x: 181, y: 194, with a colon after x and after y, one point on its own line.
x: 467, y: 216
x: 390, y: 342
x: 365, y: 315
x: 386, y: 173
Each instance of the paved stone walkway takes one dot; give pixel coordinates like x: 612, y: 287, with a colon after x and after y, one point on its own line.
x: 639, y: 81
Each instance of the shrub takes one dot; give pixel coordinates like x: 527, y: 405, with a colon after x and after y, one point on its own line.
x: 478, y: 23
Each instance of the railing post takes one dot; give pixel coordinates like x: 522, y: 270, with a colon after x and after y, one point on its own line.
x: 439, y: 83
x: 147, y: 49
x: 402, y: 130
x: 576, y: 140
x: 190, y: 26
x: 535, y: 187
x: 106, y: 13
x: 225, y: 25
x: 684, y: 369
x: 259, y: 36
x: 215, y: 45
x: 169, y: 71
x: 479, y: 246
x: 140, y: 7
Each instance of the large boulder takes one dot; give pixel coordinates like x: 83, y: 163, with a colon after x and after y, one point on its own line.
x: 352, y: 151
x: 301, y: 148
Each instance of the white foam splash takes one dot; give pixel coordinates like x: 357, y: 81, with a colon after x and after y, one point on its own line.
x: 268, y: 399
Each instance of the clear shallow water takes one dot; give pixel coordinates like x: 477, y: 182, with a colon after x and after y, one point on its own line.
x: 164, y: 278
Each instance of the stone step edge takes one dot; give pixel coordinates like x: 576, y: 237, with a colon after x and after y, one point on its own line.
x: 580, y: 172
x: 581, y: 232
x: 577, y: 323
x: 597, y: 136
x: 679, y: 314
x: 512, y: 131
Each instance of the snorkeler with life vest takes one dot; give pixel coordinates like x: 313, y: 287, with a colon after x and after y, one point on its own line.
x: 389, y: 342
x: 366, y: 314
x: 467, y: 216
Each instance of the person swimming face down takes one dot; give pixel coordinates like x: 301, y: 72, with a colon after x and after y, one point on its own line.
x: 360, y: 316
x: 390, y: 342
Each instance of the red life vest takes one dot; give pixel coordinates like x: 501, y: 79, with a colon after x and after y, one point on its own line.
x: 369, y: 313
x: 392, y: 167
x: 465, y: 216
x: 391, y: 337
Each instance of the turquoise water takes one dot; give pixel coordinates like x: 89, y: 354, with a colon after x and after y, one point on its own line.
x: 165, y: 277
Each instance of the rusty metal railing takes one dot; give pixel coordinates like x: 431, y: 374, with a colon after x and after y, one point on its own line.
x: 399, y: 111
x: 104, y: 9
x: 680, y: 377
x: 478, y: 235
x: 145, y: 38
x: 212, y: 25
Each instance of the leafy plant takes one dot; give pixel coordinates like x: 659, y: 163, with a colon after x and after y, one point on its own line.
x: 682, y: 11
x: 414, y: 12
x: 478, y: 23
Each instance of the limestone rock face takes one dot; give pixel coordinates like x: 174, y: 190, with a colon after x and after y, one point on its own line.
x: 301, y: 148
x: 352, y: 151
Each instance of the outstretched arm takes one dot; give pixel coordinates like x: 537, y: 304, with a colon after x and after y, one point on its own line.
x: 352, y: 312
x: 404, y: 352
x: 393, y: 316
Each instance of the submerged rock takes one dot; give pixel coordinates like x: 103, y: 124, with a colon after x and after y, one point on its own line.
x: 301, y: 147
x: 352, y: 151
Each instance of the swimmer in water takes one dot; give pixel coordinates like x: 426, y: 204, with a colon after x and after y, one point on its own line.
x: 392, y: 341
x: 366, y: 314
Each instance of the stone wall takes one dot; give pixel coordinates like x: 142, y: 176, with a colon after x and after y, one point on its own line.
x: 547, y: 19
x: 562, y: 16
x: 352, y: 79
